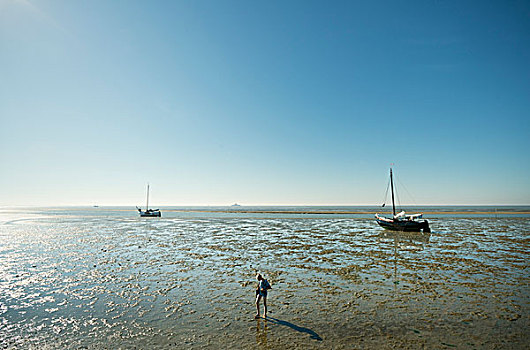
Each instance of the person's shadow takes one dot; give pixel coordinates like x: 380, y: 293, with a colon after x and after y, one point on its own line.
x: 311, y: 332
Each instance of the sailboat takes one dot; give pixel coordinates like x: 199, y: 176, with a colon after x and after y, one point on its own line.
x: 402, y: 221
x: 149, y: 212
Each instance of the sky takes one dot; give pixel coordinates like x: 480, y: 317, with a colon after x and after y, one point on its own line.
x: 264, y: 103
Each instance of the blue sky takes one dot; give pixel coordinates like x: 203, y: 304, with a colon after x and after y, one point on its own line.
x: 277, y: 102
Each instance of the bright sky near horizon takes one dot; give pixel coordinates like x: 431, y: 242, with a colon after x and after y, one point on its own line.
x: 270, y: 102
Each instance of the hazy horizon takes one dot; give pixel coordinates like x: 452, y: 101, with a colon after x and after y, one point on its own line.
x: 387, y: 207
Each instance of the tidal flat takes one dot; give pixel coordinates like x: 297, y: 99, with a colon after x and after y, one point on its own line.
x: 89, y: 280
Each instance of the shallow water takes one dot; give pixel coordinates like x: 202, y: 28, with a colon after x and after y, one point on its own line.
x: 90, y: 279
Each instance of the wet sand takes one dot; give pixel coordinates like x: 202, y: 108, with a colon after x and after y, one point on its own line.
x: 92, y: 282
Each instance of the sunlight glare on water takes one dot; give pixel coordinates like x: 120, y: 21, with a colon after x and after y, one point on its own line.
x: 93, y: 279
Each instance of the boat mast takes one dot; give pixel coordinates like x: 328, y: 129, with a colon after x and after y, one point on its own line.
x: 392, y: 187
x: 147, y: 204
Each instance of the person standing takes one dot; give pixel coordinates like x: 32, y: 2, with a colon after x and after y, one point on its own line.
x: 261, y: 293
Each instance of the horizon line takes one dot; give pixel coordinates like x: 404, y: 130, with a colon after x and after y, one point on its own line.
x: 254, y: 205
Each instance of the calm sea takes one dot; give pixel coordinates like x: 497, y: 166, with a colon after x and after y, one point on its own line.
x: 95, y: 278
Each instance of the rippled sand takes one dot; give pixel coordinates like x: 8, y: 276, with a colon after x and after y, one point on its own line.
x: 80, y: 281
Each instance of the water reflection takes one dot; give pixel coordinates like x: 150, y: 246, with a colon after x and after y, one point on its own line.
x: 261, y: 333
x: 414, y: 239
x: 404, y: 241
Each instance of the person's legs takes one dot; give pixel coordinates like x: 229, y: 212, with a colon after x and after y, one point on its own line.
x: 264, y: 306
x: 257, y: 304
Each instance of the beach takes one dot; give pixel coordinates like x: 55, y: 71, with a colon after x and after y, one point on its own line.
x: 91, y: 278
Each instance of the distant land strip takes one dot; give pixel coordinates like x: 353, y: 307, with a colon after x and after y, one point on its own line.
x: 316, y: 212
x: 323, y: 212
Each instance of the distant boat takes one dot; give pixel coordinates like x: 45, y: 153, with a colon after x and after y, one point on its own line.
x: 149, y: 212
x: 235, y: 205
x: 96, y: 206
x: 401, y: 221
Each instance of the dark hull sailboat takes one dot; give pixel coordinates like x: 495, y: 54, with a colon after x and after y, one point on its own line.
x: 401, y: 221
x: 403, y: 224
x: 149, y: 213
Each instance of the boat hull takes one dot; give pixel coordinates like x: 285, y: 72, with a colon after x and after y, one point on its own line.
x: 150, y: 215
x: 404, y: 225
